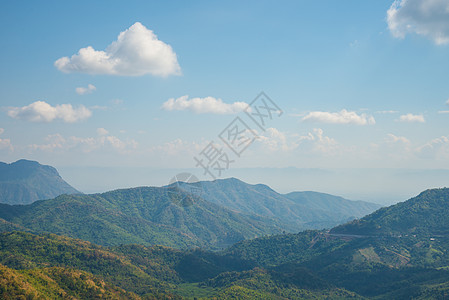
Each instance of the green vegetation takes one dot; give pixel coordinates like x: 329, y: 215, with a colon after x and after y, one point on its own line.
x: 146, y: 215
x: 55, y: 283
x: 59, y: 267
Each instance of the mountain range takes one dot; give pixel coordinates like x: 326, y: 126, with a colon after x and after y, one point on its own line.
x: 225, y: 212
x: 296, y: 210
x: 392, y: 253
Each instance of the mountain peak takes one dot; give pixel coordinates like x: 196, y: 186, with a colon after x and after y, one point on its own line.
x: 25, y: 181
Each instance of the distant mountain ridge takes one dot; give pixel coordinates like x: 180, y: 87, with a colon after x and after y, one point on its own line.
x: 296, y: 210
x: 145, y: 215
x: 25, y: 181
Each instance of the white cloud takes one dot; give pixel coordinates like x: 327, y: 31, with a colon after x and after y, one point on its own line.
x: 98, y: 107
x: 316, y: 142
x: 443, y: 112
x: 102, y: 131
x: 391, y: 138
x: 313, y: 142
x: 436, y: 148
x: 387, y: 111
x: 321, y: 142
x: 342, y: 117
x: 275, y: 140
x: 5, y: 143
x: 410, y: 118
x: 447, y: 102
x: 397, y: 148
x: 41, y: 111
x: 137, y: 51
x: 56, y: 142
x: 203, y: 105
x: 179, y: 146
x: 117, y: 102
x: 429, y: 18
x: 86, y: 90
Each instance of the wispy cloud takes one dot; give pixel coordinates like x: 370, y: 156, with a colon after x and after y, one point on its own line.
x: 315, y: 142
x: 429, y: 18
x: 411, y: 118
x: 5, y: 143
x: 397, y: 139
x: 436, y: 148
x: 386, y: 112
x: 41, y: 111
x: 137, y: 51
x: 203, y: 105
x: 102, y: 131
x: 86, y: 90
x: 341, y: 117
x: 104, y: 141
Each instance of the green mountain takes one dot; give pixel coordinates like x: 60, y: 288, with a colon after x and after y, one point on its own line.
x: 25, y: 181
x: 28, y: 252
x: 398, y: 252
x: 146, y: 215
x: 296, y: 211
x: 425, y: 215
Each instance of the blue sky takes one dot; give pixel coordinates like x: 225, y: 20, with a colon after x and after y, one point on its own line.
x: 363, y: 86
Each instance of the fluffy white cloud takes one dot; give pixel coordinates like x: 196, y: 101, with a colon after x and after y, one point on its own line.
x: 86, y: 90
x: 102, y: 131
x: 341, y: 117
x: 274, y: 140
x: 203, y: 105
x: 410, y: 118
x: 137, y: 51
x: 429, y: 18
x: 321, y: 142
x: 41, y: 111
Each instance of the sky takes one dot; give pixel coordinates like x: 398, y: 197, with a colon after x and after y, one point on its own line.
x: 115, y: 94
